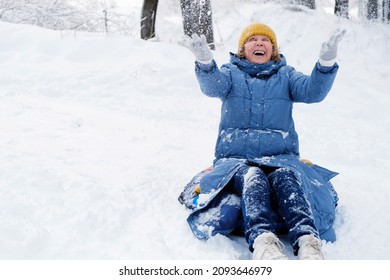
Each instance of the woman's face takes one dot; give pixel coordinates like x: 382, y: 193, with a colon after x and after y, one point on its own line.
x: 258, y: 49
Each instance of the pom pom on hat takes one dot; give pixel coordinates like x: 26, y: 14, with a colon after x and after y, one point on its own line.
x: 257, y: 29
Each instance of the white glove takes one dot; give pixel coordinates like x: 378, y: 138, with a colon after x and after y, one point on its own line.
x: 328, y: 51
x: 199, y: 47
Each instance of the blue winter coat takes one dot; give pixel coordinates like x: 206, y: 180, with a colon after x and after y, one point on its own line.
x: 257, y: 128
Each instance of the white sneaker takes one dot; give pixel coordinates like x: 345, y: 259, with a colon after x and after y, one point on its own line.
x: 309, y: 248
x: 268, y: 247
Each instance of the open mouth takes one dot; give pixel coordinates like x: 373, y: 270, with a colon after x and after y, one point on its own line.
x: 259, y: 53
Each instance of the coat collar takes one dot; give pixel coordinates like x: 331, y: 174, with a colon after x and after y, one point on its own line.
x: 261, y: 71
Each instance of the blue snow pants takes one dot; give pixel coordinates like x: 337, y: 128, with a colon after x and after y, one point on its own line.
x: 264, y: 191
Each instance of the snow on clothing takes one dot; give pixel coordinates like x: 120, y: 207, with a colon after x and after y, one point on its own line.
x: 257, y: 129
x: 275, y: 189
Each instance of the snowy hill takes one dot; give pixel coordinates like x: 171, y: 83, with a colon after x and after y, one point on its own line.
x: 100, y: 133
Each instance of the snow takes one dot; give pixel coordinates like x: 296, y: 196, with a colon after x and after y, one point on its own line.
x: 100, y: 133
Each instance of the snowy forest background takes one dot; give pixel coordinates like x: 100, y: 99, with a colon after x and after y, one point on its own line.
x: 110, y: 16
x: 101, y: 130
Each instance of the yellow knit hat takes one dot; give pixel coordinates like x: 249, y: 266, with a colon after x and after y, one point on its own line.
x: 257, y: 29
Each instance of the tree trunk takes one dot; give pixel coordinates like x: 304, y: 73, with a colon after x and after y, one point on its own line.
x: 372, y: 9
x: 386, y: 10
x: 148, y: 19
x: 197, y: 18
x: 308, y: 3
x: 341, y: 8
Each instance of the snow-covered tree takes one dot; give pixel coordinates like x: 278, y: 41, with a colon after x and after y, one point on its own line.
x: 83, y: 15
x: 197, y: 18
x: 308, y: 3
x: 372, y: 9
x: 341, y: 8
x: 386, y: 10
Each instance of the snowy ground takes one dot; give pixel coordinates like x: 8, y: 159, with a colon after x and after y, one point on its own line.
x: 100, y: 133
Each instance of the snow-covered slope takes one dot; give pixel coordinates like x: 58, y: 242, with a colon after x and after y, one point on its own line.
x: 100, y: 133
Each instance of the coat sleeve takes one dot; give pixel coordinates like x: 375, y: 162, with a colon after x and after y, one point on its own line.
x: 213, y: 81
x: 313, y: 88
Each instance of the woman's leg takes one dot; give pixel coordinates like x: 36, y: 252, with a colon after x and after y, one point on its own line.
x: 252, y: 183
x: 293, y: 204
